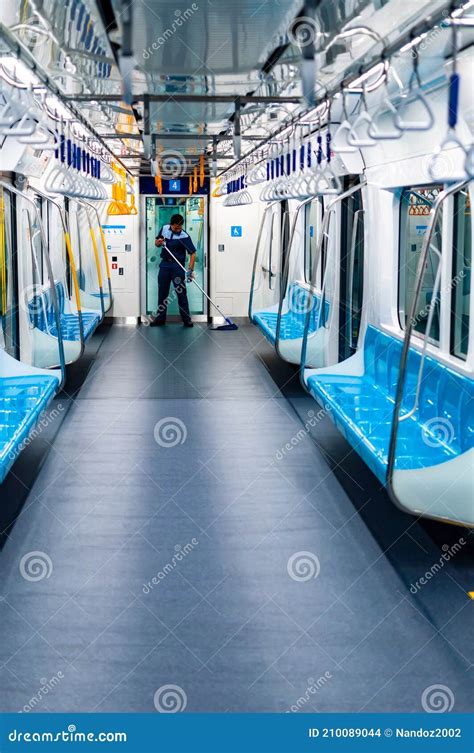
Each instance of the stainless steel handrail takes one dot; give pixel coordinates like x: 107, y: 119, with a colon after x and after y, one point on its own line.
x: 285, y: 280
x: 66, y: 233
x: 54, y: 297
x: 427, y: 245
x: 268, y: 208
x: 327, y: 215
x: 94, y: 209
x: 351, y: 267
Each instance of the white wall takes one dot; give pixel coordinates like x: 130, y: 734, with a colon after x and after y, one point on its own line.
x: 231, y: 269
x: 126, y: 286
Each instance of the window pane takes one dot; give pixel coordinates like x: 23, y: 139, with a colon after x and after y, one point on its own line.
x: 461, y: 281
x: 284, y: 233
x: 351, y: 274
x: 414, y: 221
x: 313, y: 219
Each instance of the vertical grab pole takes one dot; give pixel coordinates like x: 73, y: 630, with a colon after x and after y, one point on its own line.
x: 104, y: 252
x: 85, y: 205
x: 54, y: 297
x: 284, y: 281
x: 257, y: 247
x: 72, y: 263
x: 327, y: 216
x: 434, y: 211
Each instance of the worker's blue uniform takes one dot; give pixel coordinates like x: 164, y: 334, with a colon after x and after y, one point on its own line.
x: 179, y: 244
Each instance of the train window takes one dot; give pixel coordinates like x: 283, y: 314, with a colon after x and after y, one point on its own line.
x: 461, y: 274
x: 8, y: 285
x: 284, y: 232
x: 352, y: 274
x: 312, y: 224
x: 415, y: 206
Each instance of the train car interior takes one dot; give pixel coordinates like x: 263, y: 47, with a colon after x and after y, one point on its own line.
x: 237, y: 357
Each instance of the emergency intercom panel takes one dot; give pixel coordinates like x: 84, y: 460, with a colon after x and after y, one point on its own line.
x: 118, y: 232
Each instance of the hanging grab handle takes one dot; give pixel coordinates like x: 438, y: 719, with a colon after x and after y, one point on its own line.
x: 422, y: 124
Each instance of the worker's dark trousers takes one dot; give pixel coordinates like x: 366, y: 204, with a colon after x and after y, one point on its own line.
x: 172, y: 273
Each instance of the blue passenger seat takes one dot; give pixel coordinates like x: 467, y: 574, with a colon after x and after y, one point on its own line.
x: 42, y: 315
x: 22, y: 400
x: 362, y: 407
x: 294, y: 319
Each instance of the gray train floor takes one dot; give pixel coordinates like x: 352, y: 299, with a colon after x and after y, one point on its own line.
x: 196, y: 523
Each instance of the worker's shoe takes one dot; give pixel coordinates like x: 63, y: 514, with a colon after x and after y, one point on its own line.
x: 157, y: 322
x: 188, y: 324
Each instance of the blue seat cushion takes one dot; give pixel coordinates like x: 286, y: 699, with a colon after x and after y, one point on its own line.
x: 293, y: 321
x: 70, y: 325
x: 362, y: 407
x: 22, y: 399
x: 43, y: 317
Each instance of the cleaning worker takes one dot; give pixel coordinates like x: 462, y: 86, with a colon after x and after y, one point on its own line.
x: 179, y: 244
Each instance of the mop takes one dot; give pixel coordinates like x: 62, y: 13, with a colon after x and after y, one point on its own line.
x: 230, y: 325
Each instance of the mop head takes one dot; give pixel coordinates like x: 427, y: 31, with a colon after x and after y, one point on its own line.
x: 230, y: 325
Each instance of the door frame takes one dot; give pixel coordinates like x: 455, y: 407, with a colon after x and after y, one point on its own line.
x: 142, y: 256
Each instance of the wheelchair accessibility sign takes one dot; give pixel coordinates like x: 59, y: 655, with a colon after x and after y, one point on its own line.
x: 236, y: 231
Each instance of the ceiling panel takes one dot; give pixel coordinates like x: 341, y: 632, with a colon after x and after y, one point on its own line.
x: 208, y: 38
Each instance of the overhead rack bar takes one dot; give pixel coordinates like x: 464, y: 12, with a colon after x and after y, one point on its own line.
x: 206, y: 98
x: 23, y: 54
x: 408, y: 36
x: 184, y: 136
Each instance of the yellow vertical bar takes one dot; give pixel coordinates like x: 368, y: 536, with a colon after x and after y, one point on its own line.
x: 96, y: 254
x: 104, y: 247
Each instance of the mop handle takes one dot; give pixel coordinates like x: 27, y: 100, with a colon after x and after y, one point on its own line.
x: 195, y: 281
